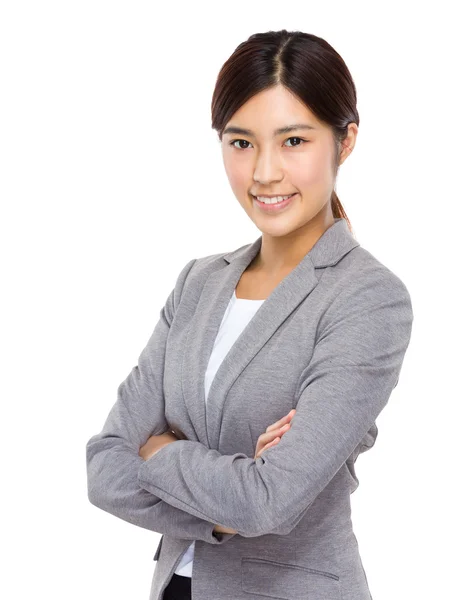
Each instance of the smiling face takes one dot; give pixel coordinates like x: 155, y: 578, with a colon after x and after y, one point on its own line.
x: 260, y: 160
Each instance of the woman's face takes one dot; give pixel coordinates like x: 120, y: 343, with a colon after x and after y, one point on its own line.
x: 263, y: 161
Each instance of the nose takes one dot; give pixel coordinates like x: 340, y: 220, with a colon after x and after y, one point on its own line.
x: 267, y: 169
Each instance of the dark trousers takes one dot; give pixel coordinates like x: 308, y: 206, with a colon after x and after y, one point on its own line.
x: 178, y: 588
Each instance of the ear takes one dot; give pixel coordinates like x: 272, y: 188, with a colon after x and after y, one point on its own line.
x: 348, y: 143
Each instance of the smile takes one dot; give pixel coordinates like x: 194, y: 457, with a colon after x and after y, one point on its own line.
x: 274, y: 204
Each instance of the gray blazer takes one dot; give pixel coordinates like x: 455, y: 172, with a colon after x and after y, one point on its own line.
x: 329, y: 341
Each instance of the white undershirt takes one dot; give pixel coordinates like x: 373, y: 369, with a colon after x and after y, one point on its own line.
x: 238, y: 314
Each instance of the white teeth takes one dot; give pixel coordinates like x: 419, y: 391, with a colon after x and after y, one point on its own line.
x: 273, y: 200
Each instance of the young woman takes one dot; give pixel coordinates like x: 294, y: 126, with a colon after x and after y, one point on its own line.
x: 238, y: 443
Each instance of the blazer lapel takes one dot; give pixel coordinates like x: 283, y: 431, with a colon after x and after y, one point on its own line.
x: 216, y: 294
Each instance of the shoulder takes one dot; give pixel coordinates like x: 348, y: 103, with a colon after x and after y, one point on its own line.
x: 362, y: 282
x: 364, y: 268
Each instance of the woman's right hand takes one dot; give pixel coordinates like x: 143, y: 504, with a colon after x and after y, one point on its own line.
x: 273, y: 433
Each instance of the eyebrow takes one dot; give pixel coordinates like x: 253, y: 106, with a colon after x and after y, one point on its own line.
x: 287, y: 129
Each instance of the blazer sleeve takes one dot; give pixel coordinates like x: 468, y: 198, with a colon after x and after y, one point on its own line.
x: 112, y: 456
x: 360, y: 346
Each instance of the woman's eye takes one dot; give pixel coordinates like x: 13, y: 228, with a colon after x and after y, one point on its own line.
x: 295, y: 138
x: 246, y: 142
x: 234, y: 141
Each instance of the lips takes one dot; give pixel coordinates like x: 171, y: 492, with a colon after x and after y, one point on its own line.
x: 275, y: 207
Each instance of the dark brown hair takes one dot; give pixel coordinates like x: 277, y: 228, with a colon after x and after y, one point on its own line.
x: 304, y: 64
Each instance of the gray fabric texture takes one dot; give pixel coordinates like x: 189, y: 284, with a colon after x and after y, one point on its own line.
x: 329, y: 341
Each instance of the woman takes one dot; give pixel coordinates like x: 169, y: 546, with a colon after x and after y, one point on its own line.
x: 279, y: 357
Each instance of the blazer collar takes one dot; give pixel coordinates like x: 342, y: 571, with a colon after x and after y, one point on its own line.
x: 217, y: 291
x: 330, y: 248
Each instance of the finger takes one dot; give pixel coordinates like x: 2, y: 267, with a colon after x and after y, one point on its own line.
x: 269, y: 445
x: 271, y: 434
x: 282, y: 421
x: 273, y: 443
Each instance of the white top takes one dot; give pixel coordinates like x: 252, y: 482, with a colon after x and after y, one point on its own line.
x: 237, y: 315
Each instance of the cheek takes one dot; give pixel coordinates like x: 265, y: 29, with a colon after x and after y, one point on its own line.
x: 310, y: 171
x: 237, y: 173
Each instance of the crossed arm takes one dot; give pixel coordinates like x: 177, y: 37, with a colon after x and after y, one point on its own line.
x: 271, y: 436
x: 355, y: 366
x: 186, y: 489
x: 156, y: 443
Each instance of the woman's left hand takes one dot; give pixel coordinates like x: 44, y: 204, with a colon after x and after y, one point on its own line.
x: 155, y: 443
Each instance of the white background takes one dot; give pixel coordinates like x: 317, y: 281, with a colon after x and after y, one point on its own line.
x: 112, y: 179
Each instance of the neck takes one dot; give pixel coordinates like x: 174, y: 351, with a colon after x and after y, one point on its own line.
x: 283, y: 253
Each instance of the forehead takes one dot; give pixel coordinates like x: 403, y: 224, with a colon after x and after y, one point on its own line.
x: 272, y: 112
